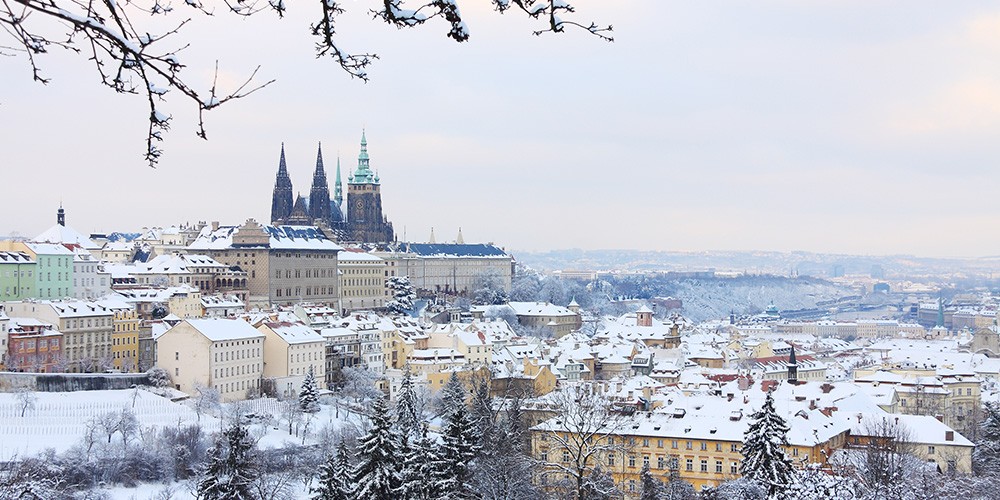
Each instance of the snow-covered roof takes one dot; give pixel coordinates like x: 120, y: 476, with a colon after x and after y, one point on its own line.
x: 15, y: 258
x: 280, y: 238
x: 224, y: 330
x: 539, y: 309
x: 295, y: 333
x: 66, y: 234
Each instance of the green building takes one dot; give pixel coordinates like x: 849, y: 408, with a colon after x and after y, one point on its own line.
x: 53, y: 268
x: 17, y: 276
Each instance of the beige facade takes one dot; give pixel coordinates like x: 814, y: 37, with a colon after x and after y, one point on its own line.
x: 285, y: 265
x: 224, y: 354
x: 290, y: 350
x: 557, y: 319
x: 362, y: 281
x: 87, y: 329
x: 449, y: 268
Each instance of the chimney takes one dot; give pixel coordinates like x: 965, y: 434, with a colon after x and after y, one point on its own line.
x: 949, y: 435
x: 215, y: 225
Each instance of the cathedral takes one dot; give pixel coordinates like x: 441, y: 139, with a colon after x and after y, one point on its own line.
x: 362, y: 222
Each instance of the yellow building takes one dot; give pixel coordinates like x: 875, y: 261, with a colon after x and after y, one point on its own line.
x: 702, y: 446
x: 124, y: 335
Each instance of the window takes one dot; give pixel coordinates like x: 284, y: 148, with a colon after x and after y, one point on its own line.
x: 704, y: 446
x: 645, y: 442
x: 611, y: 459
x: 795, y: 452
x: 688, y: 445
x: 673, y: 444
x: 631, y: 485
x: 930, y: 450
x: 968, y: 391
x: 718, y: 446
x: 704, y: 465
x: 659, y: 462
x: 689, y: 465
x: 718, y: 466
x: 565, y: 456
x: 177, y: 356
x: 645, y: 461
x: 631, y: 460
x: 734, y: 468
x: 733, y: 448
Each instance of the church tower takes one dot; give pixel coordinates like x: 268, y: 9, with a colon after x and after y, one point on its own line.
x: 61, y: 216
x: 364, y: 203
x: 319, y: 195
x: 281, y: 199
x: 793, y: 368
x: 338, y: 188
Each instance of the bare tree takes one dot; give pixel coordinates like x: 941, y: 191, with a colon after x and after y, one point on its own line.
x: 885, y: 461
x: 208, y: 399
x: 133, y: 55
x: 581, y: 435
x: 26, y: 400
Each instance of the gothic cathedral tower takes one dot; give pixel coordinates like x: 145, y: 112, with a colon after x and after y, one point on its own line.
x: 364, y: 203
x: 281, y: 198
x: 319, y: 195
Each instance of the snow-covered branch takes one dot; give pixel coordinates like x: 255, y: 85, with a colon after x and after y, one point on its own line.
x: 131, y: 60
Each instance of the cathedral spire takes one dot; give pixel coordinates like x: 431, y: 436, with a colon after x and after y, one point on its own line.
x: 338, y: 189
x: 61, y: 215
x: 281, y: 198
x: 319, y: 195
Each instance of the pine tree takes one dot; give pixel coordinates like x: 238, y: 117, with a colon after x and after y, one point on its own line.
x: 333, y: 477
x: 419, y: 474
x: 407, y: 420
x: 652, y: 488
x: 232, y: 466
x: 452, y: 395
x: 309, y: 396
x: 764, y: 459
x: 458, y: 450
x: 986, y: 456
x: 376, y: 475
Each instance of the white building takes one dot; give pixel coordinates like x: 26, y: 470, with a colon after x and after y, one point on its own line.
x: 224, y: 354
x: 290, y: 350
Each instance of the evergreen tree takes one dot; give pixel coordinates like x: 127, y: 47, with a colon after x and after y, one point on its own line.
x: 652, y: 488
x: 333, y: 477
x: 421, y: 473
x: 407, y: 420
x: 986, y: 456
x: 403, y: 295
x: 457, y: 451
x: 376, y: 475
x: 599, y: 485
x: 764, y: 459
x: 309, y: 396
x: 452, y: 395
x: 232, y: 466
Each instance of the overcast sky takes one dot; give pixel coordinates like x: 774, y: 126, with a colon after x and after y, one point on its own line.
x: 830, y: 126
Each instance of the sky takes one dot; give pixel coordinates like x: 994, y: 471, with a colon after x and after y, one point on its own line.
x: 829, y: 126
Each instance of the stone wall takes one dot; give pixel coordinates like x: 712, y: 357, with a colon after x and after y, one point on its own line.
x: 69, y: 382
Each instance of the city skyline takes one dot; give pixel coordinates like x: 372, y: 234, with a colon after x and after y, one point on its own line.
x: 771, y: 126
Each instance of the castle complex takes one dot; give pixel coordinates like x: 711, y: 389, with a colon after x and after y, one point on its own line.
x: 363, y: 220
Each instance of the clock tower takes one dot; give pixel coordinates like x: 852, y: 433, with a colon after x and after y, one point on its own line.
x: 364, y: 203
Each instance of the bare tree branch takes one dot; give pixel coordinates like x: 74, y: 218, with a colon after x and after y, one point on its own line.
x: 130, y: 60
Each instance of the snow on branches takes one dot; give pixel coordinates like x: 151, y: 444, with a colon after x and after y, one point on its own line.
x: 131, y: 60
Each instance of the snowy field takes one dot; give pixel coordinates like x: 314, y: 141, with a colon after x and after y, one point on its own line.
x: 59, y: 419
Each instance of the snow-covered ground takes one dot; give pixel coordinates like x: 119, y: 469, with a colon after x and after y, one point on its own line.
x: 59, y: 419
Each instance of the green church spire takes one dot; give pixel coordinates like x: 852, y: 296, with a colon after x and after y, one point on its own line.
x: 364, y: 174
